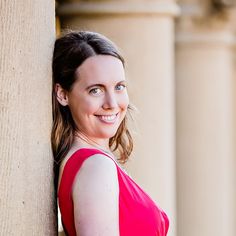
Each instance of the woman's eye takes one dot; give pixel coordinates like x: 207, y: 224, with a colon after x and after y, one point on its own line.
x: 120, y: 87
x: 95, y: 91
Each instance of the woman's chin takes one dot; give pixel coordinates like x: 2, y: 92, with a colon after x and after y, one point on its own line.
x: 107, y: 135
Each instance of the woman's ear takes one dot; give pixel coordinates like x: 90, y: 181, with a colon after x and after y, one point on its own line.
x: 61, y: 94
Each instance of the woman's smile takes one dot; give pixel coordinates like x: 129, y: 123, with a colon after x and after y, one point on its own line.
x: 108, y: 119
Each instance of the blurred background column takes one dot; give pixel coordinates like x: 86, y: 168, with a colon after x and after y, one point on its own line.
x: 205, y: 81
x: 144, y: 30
x: 26, y: 190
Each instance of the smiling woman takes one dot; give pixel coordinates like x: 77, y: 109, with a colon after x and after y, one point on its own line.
x: 98, y: 106
x: 90, y: 103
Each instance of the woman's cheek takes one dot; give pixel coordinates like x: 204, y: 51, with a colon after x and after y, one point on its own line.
x: 125, y: 101
x: 92, y: 106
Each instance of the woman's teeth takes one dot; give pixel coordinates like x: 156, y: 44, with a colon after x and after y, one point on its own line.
x: 110, y: 118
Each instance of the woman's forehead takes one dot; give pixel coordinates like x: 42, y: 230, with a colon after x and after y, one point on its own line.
x: 101, y: 69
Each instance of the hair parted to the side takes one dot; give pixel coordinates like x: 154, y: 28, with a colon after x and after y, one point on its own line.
x: 70, y: 51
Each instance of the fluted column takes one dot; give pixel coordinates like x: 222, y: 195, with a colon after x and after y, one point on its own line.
x: 26, y: 189
x: 144, y: 30
x: 205, y: 82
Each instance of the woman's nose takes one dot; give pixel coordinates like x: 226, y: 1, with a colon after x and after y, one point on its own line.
x: 110, y: 101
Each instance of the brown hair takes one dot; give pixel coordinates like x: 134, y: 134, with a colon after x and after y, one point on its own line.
x: 70, y: 51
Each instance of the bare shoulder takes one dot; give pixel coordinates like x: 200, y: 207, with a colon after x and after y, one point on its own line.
x: 98, y: 162
x: 95, y: 196
x: 97, y: 170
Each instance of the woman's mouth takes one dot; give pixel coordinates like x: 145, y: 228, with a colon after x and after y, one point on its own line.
x: 108, y: 119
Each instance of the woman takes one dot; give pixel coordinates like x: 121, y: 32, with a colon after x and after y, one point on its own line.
x: 90, y: 102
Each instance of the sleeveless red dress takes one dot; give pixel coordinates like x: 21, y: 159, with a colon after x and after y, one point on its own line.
x: 138, y: 214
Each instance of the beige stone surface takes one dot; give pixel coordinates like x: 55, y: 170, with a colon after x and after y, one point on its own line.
x: 205, y: 98
x: 26, y: 191
x: 205, y: 152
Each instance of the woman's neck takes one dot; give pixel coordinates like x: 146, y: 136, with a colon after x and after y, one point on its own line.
x: 82, y: 140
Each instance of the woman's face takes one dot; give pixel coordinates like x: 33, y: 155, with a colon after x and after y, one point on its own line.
x: 98, y: 100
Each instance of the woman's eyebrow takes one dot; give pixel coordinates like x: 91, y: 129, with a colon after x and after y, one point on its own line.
x: 95, y: 85
x: 103, y: 85
x: 122, y: 81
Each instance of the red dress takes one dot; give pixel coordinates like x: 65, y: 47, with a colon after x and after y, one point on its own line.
x: 138, y: 214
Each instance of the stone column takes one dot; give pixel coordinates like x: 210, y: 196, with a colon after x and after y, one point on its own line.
x: 205, y: 81
x: 26, y: 190
x: 144, y: 30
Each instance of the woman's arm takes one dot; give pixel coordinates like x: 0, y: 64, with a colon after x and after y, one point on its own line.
x: 96, y: 198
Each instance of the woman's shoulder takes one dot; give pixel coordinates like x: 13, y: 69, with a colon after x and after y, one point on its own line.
x: 89, y: 155
x: 97, y: 168
x: 95, y: 195
x: 95, y: 163
x: 98, y: 172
